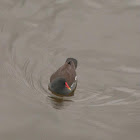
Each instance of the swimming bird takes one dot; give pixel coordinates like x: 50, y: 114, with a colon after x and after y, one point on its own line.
x: 63, y: 82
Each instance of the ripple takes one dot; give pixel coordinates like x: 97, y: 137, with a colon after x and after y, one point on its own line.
x: 128, y: 69
x: 93, y: 4
x: 134, y: 3
x: 117, y: 96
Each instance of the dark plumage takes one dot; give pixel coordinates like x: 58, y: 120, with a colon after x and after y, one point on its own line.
x: 64, y: 81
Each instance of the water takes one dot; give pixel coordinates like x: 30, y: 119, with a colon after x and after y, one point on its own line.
x: 36, y: 37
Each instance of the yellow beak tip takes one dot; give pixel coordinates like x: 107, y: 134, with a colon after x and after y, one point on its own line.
x: 69, y: 88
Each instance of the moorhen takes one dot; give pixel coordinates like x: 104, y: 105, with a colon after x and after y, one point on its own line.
x: 64, y: 81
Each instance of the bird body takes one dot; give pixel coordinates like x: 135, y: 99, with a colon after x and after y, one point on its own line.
x: 63, y: 82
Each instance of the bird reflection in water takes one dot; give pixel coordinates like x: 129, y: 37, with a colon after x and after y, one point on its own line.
x: 59, y: 103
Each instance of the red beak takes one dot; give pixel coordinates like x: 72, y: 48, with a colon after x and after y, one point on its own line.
x: 67, y: 86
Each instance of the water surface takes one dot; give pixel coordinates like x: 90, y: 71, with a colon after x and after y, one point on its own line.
x: 36, y: 37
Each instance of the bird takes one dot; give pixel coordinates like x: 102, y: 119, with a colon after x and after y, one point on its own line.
x: 63, y: 82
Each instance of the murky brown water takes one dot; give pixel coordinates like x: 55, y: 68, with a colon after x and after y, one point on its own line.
x: 37, y: 36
